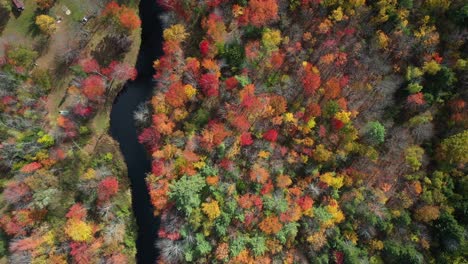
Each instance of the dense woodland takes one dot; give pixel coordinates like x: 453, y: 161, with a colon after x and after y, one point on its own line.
x: 310, y: 132
x: 280, y: 131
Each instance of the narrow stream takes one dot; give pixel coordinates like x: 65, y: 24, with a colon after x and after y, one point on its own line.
x: 122, y: 128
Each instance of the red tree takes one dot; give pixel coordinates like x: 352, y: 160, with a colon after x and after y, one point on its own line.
x: 175, y: 95
x: 111, y: 9
x: 204, y: 47
x: 31, y: 167
x: 77, y: 211
x: 83, y: 111
x: 210, y: 84
x: 129, y: 19
x: 89, y: 65
x: 310, y: 81
x: 271, y: 135
x: 80, y: 253
x: 120, y: 71
x: 231, y: 83
x: 246, y: 139
x: 416, y: 99
x: 262, y: 12
x: 108, y: 188
x: 149, y: 137
x: 93, y: 87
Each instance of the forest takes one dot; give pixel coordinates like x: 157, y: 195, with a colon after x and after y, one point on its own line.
x: 279, y: 131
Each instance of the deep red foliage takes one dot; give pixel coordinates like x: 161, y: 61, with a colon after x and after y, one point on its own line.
x: 210, y: 84
x: 246, y: 139
x: 108, y: 188
x: 204, y: 47
x: 338, y: 256
x: 149, y: 137
x: 337, y: 124
x: 271, y: 135
x: 82, y: 111
x: 231, y: 83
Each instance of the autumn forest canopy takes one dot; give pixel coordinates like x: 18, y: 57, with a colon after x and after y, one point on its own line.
x: 279, y: 131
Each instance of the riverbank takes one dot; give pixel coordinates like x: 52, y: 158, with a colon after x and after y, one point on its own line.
x: 123, y: 130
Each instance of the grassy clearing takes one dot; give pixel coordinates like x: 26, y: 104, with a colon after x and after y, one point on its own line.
x: 24, y: 23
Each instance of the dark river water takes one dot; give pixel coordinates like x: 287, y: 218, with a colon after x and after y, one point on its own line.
x: 123, y: 129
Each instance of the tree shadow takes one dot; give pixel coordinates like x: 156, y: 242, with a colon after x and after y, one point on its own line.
x: 33, y: 29
x: 42, y: 45
x: 4, y: 18
x: 112, y: 48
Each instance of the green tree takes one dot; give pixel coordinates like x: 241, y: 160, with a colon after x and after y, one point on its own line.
x: 41, y: 77
x: 451, y: 235
x: 398, y: 252
x: 413, y: 156
x: 455, y: 148
x: 21, y: 56
x: 375, y: 132
x: 186, y: 192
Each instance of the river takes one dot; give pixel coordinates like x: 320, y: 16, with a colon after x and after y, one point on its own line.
x: 123, y: 129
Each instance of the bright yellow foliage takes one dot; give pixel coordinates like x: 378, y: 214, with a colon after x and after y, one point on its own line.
x: 271, y: 38
x: 263, y: 154
x: 332, y: 180
x: 175, y: 33
x: 289, y: 117
x: 382, y: 39
x: 78, y: 230
x: 336, y: 213
x: 343, y: 116
x: 211, y: 210
x: 89, y: 174
x: 431, y: 67
x: 190, y: 91
x: 46, y: 24
x: 337, y: 14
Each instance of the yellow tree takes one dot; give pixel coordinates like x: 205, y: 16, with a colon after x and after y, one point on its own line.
x: 46, y: 24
